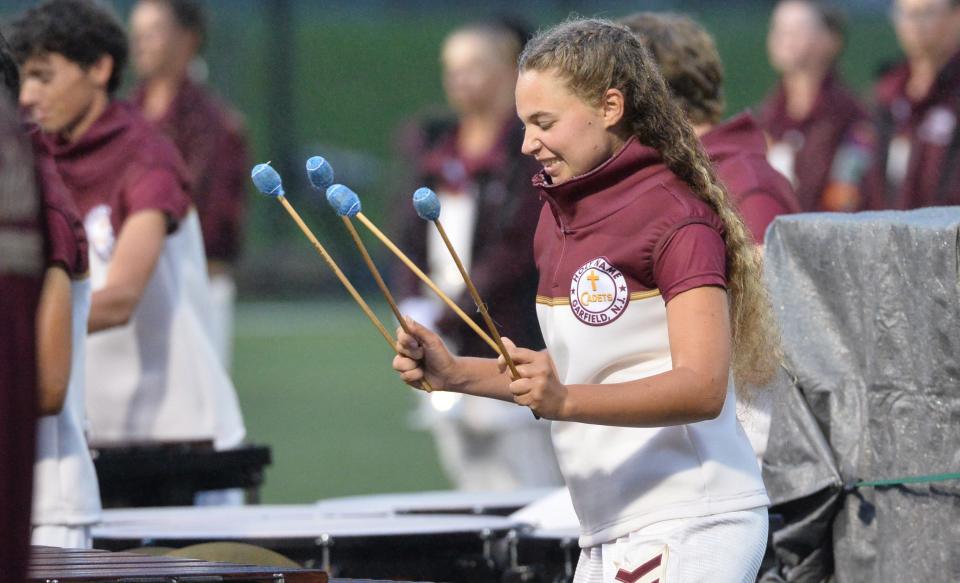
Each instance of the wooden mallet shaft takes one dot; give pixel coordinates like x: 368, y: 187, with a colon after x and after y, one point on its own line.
x: 478, y: 300
x: 380, y: 283
x: 375, y: 272
x: 426, y: 279
x: 343, y: 278
x: 337, y: 271
x: 427, y: 204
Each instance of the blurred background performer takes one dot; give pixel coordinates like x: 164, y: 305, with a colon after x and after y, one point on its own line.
x: 691, y: 66
x: 152, y: 372
x: 66, y: 498
x: 21, y: 277
x: 818, y: 128
x: 918, y: 142
x: 473, y: 161
x: 690, y: 63
x: 166, y: 39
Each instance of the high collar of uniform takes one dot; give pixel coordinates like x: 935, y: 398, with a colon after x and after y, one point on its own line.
x: 738, y: 136
x: 97, y: 156
x: 113, y: 120
x: 446, y: 161
x: 777, y: 115
x: 185, y: 95
x: 893, y: 86
x: 607, y: 185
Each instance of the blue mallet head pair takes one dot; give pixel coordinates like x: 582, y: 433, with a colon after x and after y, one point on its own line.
x: 268, y: 181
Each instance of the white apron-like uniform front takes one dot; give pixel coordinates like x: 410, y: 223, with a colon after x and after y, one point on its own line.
x: 159, y: 377
x: 622, y: 479
x: 65, y: 493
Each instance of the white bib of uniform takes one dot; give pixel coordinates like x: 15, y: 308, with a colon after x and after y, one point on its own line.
x: 459, y: 221
x: 65, y: 490
x: 622, y: 479
x: 159, y: 378
x: 782, y: 157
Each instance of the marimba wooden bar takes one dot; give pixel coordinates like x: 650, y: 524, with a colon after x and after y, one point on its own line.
x: 53, y: 565
x: 49, y: 565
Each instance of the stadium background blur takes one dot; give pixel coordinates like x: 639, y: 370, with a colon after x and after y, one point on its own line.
x: 336, y: 78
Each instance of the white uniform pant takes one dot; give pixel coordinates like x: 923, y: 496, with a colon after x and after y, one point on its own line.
x: 62, y: 536
x: 722, y: 548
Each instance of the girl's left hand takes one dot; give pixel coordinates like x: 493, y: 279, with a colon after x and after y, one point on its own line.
x: 538, y: 386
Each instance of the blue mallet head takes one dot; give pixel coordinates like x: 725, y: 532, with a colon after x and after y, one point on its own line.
x: 267, y: 180
x: 343, y: 200
x: 320, y: 173
x: 427, y: 204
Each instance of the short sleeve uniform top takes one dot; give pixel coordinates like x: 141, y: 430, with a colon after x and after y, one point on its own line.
x: 613, y: 247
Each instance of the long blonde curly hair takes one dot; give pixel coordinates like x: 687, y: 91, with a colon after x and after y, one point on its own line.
x: 594, y: 55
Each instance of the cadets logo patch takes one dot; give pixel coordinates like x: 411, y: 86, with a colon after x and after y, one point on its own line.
x: 598, y: 292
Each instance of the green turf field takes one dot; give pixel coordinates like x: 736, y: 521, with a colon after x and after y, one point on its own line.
x: 315, y: 383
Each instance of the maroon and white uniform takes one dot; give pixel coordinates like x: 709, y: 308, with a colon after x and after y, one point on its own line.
x: 66, y: 497
x: 917, y: 148
x: 613, y: 247
x: 157, y: 378
x: 210, y: 138
x: 738, y: 149
x: 827, y: 148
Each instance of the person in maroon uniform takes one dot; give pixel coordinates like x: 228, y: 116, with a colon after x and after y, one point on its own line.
x: 691, y: 66
x: 472, y: 160
x: 152, y: 373
x: 21, y: 273
x: 637, y: 245
x: 818, y: 129
x: 166, y: 38
x: 914, y: 162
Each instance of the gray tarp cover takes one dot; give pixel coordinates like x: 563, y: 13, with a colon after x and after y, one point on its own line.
x: 869, y: 306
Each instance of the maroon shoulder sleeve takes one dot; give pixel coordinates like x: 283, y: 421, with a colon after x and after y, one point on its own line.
x: 758, y: 209
x: 158, y: 189
x: 66, y: 237
x: 693, y: 255
x: 63, y: 249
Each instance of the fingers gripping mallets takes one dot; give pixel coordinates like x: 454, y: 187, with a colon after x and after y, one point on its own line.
x: 427, y: 205
x: 268, y: 182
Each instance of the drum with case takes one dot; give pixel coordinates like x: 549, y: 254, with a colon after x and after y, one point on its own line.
x: 541, y: 556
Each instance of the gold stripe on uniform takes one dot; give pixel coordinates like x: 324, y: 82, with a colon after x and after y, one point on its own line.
x: 548, y: 301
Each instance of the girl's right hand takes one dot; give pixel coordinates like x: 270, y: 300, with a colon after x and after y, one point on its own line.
x: 423, y: 353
